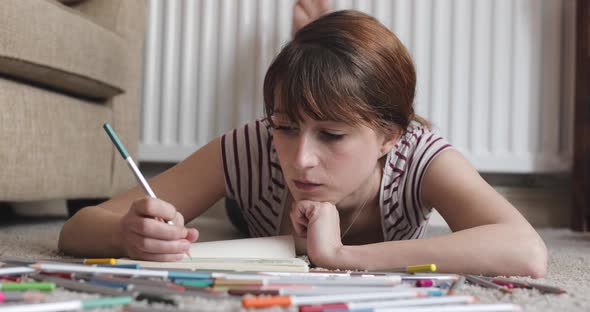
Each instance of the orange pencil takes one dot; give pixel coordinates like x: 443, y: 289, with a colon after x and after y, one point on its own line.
x: 285, y: 301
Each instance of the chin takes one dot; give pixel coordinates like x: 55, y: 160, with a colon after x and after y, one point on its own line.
x: 315, y: 197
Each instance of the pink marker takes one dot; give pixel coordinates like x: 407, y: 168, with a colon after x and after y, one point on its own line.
x: 424, y: 283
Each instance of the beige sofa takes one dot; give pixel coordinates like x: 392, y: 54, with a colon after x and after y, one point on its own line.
x: 66, y: 67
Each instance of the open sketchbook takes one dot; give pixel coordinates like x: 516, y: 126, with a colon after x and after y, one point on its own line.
x: 275, y: 253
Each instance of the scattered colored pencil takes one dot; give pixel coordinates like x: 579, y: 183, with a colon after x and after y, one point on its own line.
x: 73, y: 305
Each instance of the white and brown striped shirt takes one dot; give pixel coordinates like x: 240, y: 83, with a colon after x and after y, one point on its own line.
x: 253, y: 178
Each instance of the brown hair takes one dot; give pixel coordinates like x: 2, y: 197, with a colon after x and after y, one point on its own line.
x: 344, y: 66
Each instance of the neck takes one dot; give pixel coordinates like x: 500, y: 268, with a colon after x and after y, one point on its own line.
x: 367, y: 195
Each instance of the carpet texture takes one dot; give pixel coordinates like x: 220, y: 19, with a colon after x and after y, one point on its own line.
x: 569, y: 265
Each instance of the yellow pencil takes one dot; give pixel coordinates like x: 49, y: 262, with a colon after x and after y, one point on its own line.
x: 100, y: 261
x: 419, y: 268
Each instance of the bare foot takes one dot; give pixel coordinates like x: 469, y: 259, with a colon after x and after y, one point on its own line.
x: 306, y: 11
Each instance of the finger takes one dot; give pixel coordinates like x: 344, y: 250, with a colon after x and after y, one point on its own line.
x: 299, y: 221
x: 157, y: 246
x: 178, y: 219
x: 299, y: 226
x: 300, y: 230
x: 309, y: 211
x: 192, y: 235
x: 298, y: 211
x: 155, y: 229
x: 154, y: 208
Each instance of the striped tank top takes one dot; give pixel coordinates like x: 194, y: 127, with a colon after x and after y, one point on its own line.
x: 254, y: 179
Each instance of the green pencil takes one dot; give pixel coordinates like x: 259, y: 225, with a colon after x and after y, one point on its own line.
x: 115, y: 139
x: 142, y: 181
x: 14, y: 286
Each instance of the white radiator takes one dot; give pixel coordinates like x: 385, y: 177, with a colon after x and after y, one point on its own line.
x: 494, y: 76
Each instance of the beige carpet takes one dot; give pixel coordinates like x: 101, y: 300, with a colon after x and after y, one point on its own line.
x: 569, y: 264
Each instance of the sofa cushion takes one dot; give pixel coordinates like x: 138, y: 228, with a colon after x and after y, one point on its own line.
x: 52, y: 145
x: 47, y: 43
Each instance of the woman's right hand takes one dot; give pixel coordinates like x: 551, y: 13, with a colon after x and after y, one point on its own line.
x: 146, y: 238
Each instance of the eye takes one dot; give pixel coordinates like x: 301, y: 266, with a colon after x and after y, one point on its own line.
x: 328, y: 136
x: 285, y: 128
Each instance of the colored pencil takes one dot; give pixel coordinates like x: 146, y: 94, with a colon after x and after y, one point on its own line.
x: 433, y: 276
x: 352, y: 306
x: 12, y: 286
x: 100, y: 261
x: 502, y: 307
x: 486, y: 284
x: 16, y: 296
x: 523, y: 284
x: 77, y: 268
x: 195, y: 282
x: 140, y: 178
x: 122, y: 266
x: 457, y: 285
x: 130, y: 280
x: 15, y: 271
x: 111, y: 284
x: 318, y: 282
x: 285, y: 276
x: 318, y: 291
x: 73, y: 305
x: 285, y: 301
x: 419, y: 268
x: 547, y: 288
x: 516, y: 283
x: 136, y: 290
x: 77, y: 286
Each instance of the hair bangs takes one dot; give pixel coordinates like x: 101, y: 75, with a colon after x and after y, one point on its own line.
x: 314, y: 81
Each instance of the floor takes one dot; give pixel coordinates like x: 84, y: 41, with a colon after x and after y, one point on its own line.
x: 569, y: 262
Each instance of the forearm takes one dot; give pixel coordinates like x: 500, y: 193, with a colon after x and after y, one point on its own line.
x: 497, y: 249
x: 92, y: 232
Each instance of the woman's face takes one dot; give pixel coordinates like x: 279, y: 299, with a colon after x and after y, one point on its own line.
x: 327, y: 161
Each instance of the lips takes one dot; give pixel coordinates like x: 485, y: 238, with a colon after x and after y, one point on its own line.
x: 305, y: 185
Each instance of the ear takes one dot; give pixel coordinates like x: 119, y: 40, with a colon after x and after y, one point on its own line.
x: 388, y: 141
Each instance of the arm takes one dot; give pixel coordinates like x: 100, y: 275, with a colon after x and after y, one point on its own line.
x: 489, y: 235
x: 124, y: 225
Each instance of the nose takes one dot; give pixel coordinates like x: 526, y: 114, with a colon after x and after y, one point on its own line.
x: 305, y: 153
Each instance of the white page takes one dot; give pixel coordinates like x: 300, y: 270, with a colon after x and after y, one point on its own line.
x: 273, y: 247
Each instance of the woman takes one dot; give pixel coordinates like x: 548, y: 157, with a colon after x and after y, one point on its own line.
x: 340, y: 161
